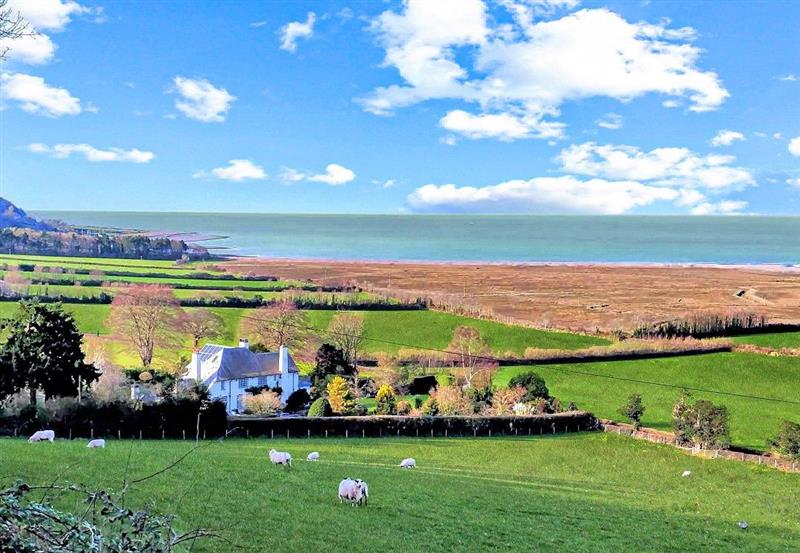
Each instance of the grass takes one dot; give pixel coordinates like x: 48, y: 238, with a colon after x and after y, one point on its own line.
x: 752, y: 422
x: 774, y: 340
x: 434, y: 329
x: 467, y: 495
x: 91, y: 319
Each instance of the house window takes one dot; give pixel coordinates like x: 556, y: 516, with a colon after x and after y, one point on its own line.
x: 262, y: 381
x: 224, y: 385
x: 242, y: 383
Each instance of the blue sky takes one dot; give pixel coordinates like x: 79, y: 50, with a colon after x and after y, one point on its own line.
x: 532, y: 106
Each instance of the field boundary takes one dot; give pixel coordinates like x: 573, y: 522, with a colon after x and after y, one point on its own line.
x: 622, y: 356
x: 668, y: 438
x: 393, y: 426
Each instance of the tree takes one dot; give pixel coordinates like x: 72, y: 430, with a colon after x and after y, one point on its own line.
x: 346, y: 332
x: 633, y: 410
x: 297, y: 400
x: 535, y: 387
x: 43, y: 352
x: 450, y: 400
x: 340, y: 396
x: 385, y: 400
x: 788, y: 441
x: 701, y: 423
x: 12, y: 27
x: 200, y: 324
x: 145, y: 317
x: 330, y: 361
x: 471, y: 354
x: 504, y: 400
x: 280, y: 324
x: 320, y: 408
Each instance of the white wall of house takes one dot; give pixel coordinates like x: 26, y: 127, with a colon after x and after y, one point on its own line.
x: 233, y: 391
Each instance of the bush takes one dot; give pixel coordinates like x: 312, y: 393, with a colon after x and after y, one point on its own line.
x: 385, y: 401
x: 403, y: 407
x: 788, y: 441
x: 430, y: 407
x: 504, y: 400
x: 633, y: 410
x: 297, y: 400
x: 265, y: 402
x: 339, y: 396
x: 535, y: 387
x: 422, y: 385
x: 700, y: 423
x: 450, y: 400
x: 320, y: 408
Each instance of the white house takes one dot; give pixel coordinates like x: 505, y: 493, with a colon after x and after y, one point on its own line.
x: 228, y: 371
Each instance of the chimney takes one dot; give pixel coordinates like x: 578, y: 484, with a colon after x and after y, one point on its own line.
x: 244, y: 343
x: 196, y: 366
x: 283, y: 360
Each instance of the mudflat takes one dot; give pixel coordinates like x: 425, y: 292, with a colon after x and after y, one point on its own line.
x: 584, y: 297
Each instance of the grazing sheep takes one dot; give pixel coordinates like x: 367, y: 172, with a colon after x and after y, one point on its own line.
x: 99, y: 443
x: 351, y: 491
x: 280, y: 458
x: 408, y: 463
x: 686, y: 473
x: 313, y: 456
x: 42, y: 435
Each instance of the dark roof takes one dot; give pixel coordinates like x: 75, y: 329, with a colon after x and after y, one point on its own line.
x: 233, y: 363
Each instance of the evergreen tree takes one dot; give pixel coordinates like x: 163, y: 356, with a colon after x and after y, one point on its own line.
x: 43, y: 352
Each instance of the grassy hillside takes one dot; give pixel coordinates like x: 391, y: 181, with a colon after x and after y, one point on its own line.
x: 774, y: 340
x: 467, y: 495
x: 752, y: 422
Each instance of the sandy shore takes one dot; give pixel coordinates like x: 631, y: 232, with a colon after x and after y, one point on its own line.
x: 580, y: 296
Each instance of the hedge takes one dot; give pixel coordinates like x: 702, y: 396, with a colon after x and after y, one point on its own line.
x: 376, y: 426
x: 120, y: 419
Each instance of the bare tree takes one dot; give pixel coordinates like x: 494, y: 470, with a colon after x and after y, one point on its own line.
x: 200, y: 324
x: 281, y: 324
x: 145, y: 317
x: 12, y: 27
x: 346, y: 332
x: 471, y: 353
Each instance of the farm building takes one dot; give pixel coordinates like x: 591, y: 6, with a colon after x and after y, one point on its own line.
x: 229, y: 371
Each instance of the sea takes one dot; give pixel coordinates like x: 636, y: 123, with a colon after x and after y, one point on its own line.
x: 729, y: 240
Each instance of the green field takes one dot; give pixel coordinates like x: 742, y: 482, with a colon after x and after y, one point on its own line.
x: 774, y: 340
x: 752, y: 422
x: 578, y: 493
x: 91, y: 319
x: 434, y: 329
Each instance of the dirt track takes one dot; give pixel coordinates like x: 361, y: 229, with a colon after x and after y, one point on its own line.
x: 581, y: 297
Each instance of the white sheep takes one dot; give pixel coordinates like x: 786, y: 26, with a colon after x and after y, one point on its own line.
x: 42, y: 435
x: 364, y: 491
x: 686, y: 473
x: 408, y: 463
x: 313, y: 456
x: 99, y: 443
x: 280, y: 458
x: 351, y: 491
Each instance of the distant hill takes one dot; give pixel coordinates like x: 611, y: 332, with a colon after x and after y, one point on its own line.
x: 13, y: 217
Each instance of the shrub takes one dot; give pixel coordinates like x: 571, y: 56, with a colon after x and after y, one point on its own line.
x: 430, y: 408
x: 504, y: 399
x: 385, y: 401
x: 340, y: 396
x: 297, y: 400
x: 533, y: 384
x: 265, y: 402
x: 788, y: 441
x: 633, y: 410
x: 422, y: 385
x: 403, y: 407
x: 320, y: 408
x: 701, y: 423
x: 450, y: 400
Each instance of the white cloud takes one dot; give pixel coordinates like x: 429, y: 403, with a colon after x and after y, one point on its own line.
x: 564, y: 194
x: 49, y: 15
x: 292, y: 32
x: 35, y: 96
x: 794, y: 146
x: 677, y: 167
x: 63, y: 151
x: 790, y: 77
x: 237, y: 170
x: 611, y: 121
x: 33, y: 49
x: 725, y: 207
x: 726, y: 138
x: 334, y: 175
x: 503, y: 126
x: 388, y: 183
x: 257, y: 24
x: 449, y: 140
x: 202, y: 101
x: 526, y: 72
x: 793, y: 182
